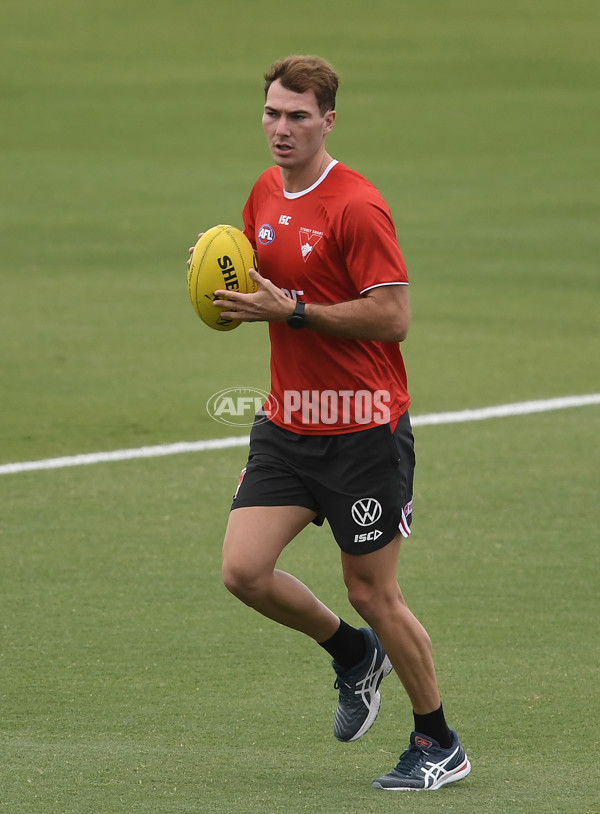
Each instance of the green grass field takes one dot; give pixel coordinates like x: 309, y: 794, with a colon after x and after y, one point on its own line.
x: 130, y: 681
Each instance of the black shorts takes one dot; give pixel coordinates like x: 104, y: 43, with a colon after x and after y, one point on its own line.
x: 361, y: 482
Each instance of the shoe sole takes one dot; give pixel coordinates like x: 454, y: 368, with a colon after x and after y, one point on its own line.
x: 387, y: 668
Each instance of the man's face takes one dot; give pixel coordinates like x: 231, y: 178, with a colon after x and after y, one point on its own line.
x: 294, y: 126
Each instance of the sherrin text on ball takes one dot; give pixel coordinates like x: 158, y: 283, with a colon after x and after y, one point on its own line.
x: 221, y: 259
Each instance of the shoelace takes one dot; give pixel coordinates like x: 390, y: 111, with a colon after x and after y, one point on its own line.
x: 345, y: 689
x: 409, y: 759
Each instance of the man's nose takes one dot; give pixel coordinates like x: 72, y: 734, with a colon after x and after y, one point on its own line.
x: 283, y: 126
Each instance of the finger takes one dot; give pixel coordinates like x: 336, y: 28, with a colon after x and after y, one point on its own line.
x: 220, y: 300
x: 230, y: 313
x: 231, y: 296
x: 226, y: 303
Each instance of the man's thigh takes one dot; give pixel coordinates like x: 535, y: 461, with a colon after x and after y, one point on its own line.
x: 256, y: 535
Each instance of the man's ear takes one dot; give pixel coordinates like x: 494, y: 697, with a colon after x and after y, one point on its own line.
x: 329, y: 120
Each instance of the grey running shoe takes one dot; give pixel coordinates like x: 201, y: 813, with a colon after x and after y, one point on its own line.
x: 359, y: 698
x: 425, y: 766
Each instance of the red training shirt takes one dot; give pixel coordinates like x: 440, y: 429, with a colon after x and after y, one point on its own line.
x: 330, y: 243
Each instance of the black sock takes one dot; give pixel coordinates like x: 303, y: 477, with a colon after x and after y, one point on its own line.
x: 434, y: 725
x: 347, y: 646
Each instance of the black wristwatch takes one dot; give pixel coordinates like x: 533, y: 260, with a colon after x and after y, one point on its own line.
x: 298, y: 318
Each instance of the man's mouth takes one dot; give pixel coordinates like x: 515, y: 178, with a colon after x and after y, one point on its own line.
x: 283, y: 148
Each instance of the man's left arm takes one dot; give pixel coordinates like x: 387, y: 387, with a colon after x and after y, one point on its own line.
x: 382, y: 314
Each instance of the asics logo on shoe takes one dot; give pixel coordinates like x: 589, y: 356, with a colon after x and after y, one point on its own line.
x: 422, y: 743
x: 365, y: 686
x: 434, y: 772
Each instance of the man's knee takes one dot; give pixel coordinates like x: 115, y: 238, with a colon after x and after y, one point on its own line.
x: 245, y: 580
x: 361, y: 597
x: 372, y: 600
x: 238, y: 579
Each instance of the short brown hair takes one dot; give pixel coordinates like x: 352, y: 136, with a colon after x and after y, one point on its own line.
x: 301, y: 73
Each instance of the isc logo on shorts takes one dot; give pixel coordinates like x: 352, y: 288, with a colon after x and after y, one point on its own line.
x: 367, y: 535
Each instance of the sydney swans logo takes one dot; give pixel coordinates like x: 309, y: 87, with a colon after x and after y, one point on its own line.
x: 308, y: 240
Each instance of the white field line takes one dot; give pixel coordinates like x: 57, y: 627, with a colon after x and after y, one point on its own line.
x: 500, y: 411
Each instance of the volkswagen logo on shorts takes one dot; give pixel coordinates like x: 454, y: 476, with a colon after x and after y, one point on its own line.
x: 366, y: 511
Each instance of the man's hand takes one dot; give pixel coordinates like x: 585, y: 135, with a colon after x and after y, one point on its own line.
x: 268, y: 304
x: 191, y: 251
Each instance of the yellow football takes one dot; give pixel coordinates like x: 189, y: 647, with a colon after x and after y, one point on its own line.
x: 221, y: 259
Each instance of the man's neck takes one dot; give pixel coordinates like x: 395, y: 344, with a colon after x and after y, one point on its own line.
x: 297, y: 180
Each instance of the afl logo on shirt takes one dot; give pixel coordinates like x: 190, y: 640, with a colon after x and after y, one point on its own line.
x: 266, y: 234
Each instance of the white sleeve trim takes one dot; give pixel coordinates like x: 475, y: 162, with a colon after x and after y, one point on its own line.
x: 380, y: 285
